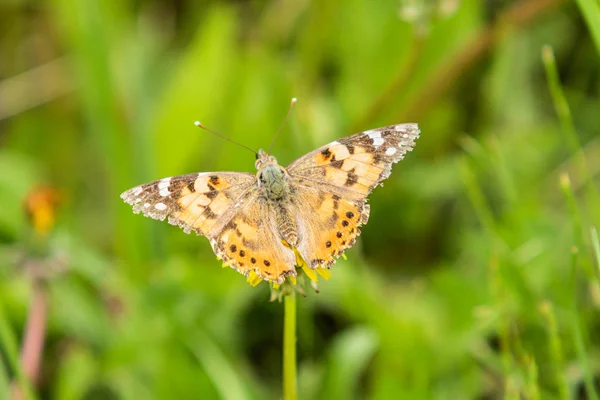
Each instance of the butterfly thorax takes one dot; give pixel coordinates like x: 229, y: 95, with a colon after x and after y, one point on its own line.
x: 271, y: 177
x: 273, y: 181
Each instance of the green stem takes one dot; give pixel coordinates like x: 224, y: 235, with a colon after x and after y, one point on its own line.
x: 289, y: 348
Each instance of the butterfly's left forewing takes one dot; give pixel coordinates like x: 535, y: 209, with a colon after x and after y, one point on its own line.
x: 194, y: 202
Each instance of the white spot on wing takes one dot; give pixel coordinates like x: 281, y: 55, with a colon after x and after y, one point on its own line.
x: 376, y: 136
x: 391, y: 151
x: 137, y: 191
x: 164, y: 183
x: 160, y: 206
x: 163, y: 186
x: 373, y: 134
x: 146, y: 205
x: 378, y: 142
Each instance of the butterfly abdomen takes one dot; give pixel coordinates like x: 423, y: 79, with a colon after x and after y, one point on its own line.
x: 286, y: 226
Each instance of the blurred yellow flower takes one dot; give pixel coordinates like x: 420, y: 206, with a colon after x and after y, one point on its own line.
x: 41, y: 206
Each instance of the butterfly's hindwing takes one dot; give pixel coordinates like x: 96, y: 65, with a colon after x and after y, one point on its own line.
x: 250, y: 242
x: 329, y: 226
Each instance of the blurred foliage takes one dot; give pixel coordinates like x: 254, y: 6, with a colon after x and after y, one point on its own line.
x: 475, y: 278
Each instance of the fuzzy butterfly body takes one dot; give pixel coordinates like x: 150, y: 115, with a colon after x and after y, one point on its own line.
x: 261, y: 223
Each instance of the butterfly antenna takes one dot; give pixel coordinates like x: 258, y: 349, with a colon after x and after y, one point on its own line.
x: 200, y: 125
x: 283, y: 124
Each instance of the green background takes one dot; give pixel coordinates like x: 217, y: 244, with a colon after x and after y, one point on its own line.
x: 476, y: 277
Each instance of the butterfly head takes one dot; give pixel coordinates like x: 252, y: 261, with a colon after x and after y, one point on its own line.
x: 263, y: 159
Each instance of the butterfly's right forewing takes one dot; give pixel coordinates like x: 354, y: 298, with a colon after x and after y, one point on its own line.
x: 355, y: 165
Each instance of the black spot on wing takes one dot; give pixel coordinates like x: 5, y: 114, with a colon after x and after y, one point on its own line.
x: 212, y: 194
x: 191, y: 187
x: 351, y: 179
x: 209, y: 213
x: 337, y: 164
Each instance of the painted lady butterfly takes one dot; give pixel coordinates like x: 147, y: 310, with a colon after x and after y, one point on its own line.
x: 313, y: 208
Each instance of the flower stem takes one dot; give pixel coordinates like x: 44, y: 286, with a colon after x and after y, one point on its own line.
x: 289, y: 348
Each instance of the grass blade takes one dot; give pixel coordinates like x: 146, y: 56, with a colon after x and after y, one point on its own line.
x: 596, y: 245
x: 226, y: 380
x: 590, y: 9
x: 556, y: 353
x: 563, y: 112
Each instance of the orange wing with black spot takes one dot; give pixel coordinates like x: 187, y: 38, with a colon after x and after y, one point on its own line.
x: 250, y: 241
x: 332, y: 184
x: 194, y: 202
x: 354, y: 165
x: 329, y: 225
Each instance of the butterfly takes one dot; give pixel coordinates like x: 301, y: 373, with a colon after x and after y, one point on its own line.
x: 259, y: 223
